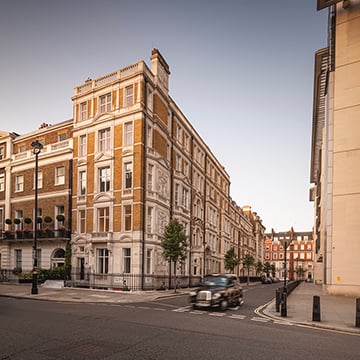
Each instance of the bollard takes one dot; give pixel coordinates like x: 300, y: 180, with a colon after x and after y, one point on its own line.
x: 316, y: 308
x: 277, y: 300
x: 357, y: 314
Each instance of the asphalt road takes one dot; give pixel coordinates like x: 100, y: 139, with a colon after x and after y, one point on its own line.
x: 165, y: 329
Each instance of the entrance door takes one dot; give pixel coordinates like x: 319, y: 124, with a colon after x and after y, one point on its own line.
x: 81, y: 266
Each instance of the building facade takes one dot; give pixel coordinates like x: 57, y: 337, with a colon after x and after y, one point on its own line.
x: 299, y: 254
x: 137, y: 162
x: 335, y: 155
x: 17, y: 211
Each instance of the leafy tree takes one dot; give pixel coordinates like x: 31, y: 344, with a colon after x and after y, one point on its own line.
x: 258, y: 267
x: 231, y: 260
x: 248, y: 263
x: 273, y: 269
x: 267, y: 268
x: 300, y: 272
x: 174, y: 244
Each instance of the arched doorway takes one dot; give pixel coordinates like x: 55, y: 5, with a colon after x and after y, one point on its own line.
x: 58, y: 258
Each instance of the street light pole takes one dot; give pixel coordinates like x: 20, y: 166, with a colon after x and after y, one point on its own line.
x: 284, y: 294
x: 37, y: 146
x: 284, y: 299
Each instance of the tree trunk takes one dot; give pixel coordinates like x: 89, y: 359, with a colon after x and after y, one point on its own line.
x: 175, y: 276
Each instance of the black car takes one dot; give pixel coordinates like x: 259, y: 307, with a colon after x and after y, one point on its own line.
x: 218, y: 290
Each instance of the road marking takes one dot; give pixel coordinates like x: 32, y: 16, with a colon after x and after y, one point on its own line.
x: 217, y: 314
x: 197, y: 312
x: 282, y: 322
x: 182, y: 309
x: 260, y: 319
x: 240, y: 317
x: 144, y: 307
x: 130, y: 306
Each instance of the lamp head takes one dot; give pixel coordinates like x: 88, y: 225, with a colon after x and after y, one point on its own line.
x: 37, y: 146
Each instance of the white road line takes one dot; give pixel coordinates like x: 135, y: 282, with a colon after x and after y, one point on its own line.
x: 130, y: 306
x: 283, y: 322
x: 197, y: 312
x: 144, y: 307
x: 159, y: 309
x: 182, y: 309
x: 259, y: 319
x: 234, y: 316
x: 217, y: 314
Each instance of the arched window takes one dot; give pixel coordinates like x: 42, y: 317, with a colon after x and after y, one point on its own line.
x: 58, y: 258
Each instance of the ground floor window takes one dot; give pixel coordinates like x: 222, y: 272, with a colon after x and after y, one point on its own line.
x: 127, y: 260
x: 103, y: 261
x: 18, y: 258
x: 58, y: 258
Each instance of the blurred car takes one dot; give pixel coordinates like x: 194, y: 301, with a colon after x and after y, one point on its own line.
x: 218, y: 290
x: 266, y: 279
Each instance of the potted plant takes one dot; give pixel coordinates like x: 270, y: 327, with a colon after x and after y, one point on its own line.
x: 7, y: 233
x: 27, y: 221
x: 48, y: 220
x: 60, y: 218
x: 18, y: 230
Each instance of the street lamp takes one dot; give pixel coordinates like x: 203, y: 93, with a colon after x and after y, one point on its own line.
x: 285, y: 242
x: 37, y: 146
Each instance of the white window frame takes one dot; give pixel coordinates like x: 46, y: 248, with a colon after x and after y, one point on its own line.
x: 104, y: 136
x: 104, y: 179
x: 128, y: 175
x: 2, y: 182
x: 105, y: 103
x: 150, y: 179
x: 83, y: 111
x: 82, y: 145
x: 2, y: 152
x: 148, y: 268
x: 126, y: 260
x: 60, y: 175
x: 82, y: 182
x: 127, y: 217
x: 129, y: 95
x: 103, y: 219
x: 102, y: 260
x: 128, y: 133
x: 82, y: 221
x: 19, y: 183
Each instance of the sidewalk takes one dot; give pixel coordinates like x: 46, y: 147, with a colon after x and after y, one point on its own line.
x: 81, y: 295
x: 336, y: 312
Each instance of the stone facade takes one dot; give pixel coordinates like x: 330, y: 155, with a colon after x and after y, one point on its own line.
x: 335, y: 161
x: 136, y: 162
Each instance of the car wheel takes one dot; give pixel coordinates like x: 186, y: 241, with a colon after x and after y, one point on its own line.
x: 194, y: 306
x: 224, y: 304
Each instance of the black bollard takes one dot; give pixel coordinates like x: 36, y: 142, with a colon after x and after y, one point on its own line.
x: 357, y: 314
x: 316, y: 308
x: 277, y: 300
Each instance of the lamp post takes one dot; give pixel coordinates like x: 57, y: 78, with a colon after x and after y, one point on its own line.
x: 286, y: 243
x: 37, y: 146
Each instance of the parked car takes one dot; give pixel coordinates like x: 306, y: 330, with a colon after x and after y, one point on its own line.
x: 218, y: 290
x: 266, y: 279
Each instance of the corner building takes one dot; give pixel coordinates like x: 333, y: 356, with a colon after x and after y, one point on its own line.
x: 138, y: 162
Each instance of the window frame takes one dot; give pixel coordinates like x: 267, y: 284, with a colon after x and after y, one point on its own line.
x: 105, y: 103
x: 59, y: 178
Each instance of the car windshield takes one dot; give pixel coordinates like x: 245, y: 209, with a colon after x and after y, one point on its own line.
x: 214, y: 281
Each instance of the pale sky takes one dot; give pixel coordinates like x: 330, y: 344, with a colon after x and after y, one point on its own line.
x: 241, y: 72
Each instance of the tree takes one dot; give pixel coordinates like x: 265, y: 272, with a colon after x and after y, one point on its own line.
x: 258, y: 267
x: 273, y: 269
x: 231, y: 260
x: 248, y: 262
x: 174, y: 244
x: 267, y: 268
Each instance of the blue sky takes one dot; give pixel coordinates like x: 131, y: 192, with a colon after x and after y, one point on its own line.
x: 241, y: 71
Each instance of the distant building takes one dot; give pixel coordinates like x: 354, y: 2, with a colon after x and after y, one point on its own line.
x: 299, y: 254
x: 127, y: 162
x: 335, y: 153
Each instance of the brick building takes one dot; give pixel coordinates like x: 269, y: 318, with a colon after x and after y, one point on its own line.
x: 135, y: 161
x: 299, y: 254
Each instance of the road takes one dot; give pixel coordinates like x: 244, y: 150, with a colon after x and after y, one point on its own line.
x: 165, y: 329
